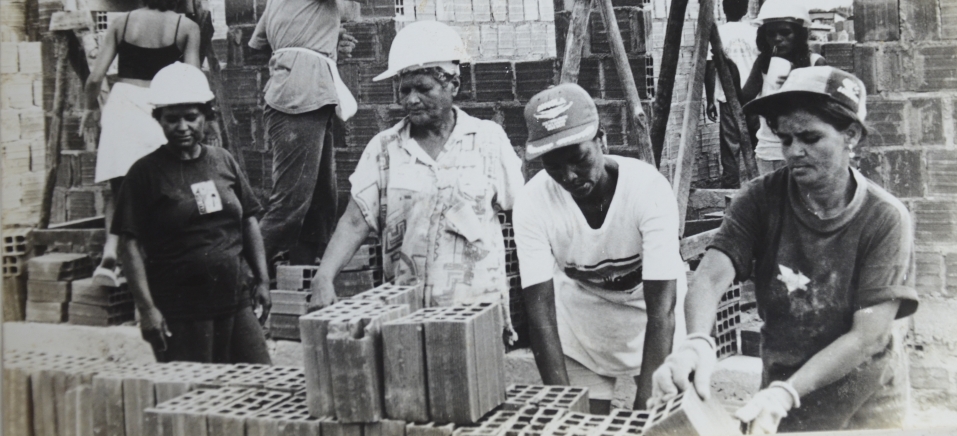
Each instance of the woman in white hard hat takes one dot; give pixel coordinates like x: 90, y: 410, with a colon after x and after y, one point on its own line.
x: 783, y: 45
x: 431, y: 185
x: 830, y: 253
x: 145, y: 40
x: 187, y: 216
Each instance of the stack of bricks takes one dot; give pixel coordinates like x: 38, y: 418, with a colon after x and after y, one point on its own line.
x: 14, y: 279
x: 76, y: 196
x: 22, y: 129
x: 49, y: 284
x: 342, y: 355
x: 100, y: 305
x: 492, y: 29
x: 573, y: 399
x: 444, y: 364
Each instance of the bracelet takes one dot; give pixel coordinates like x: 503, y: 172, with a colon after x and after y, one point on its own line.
x: 786, y: 385
x: 704, y: 337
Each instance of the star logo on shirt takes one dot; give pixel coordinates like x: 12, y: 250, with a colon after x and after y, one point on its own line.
x: 794, y: 280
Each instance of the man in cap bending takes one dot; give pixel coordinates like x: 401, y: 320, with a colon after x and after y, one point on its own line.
x: 597, y: 240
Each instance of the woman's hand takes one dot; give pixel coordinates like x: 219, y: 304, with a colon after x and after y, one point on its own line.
x: 765, y: 410
x: 712, y: 112
x: 90, y: 125
x: 693, y: 355
x: 262, y: 299
x: 323, y: 293
x: 153, y: 328
x: 347, y: 43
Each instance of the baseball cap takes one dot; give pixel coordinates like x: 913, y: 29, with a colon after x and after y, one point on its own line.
x: 833, y: 83
x: 557, y: 117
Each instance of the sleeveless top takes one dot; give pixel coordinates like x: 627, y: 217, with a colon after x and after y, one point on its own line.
x: 769, y: 145
x: 142, y: 62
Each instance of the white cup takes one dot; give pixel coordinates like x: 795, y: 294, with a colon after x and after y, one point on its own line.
x: 778, y: 71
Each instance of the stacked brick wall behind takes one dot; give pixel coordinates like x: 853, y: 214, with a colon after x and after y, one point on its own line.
x: 22, y: 130
x: 907, y: 57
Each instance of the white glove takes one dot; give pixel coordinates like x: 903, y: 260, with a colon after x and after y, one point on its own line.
x: 766, y: 409
x: 695, y: 354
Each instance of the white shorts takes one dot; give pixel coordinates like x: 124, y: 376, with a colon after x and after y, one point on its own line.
x: 128, y: 132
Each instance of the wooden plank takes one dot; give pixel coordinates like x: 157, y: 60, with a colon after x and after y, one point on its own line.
x: 694, y: 246
x: 687, y: 148
x: 639, y: 120
x: 575, y: 41
x: 406, y: 394
x: 667, y: 73
x: 745, y: 148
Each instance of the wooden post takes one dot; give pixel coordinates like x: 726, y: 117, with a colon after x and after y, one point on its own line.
x: 666, y: 75
x: 689, y: 127
x: 727, y: 83
x: 575, y: 41
x: 56, y: 126
x: 638, y: 117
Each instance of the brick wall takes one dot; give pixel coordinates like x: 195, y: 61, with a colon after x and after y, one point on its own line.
x: 907, y: 57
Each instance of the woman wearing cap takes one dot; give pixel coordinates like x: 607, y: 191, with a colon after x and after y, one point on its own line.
x: 187, y: 217
x: 145, y: 40
x: 597, y: 239
x: 783, y: 45
x: 831, y: 253
x: 431, y: 185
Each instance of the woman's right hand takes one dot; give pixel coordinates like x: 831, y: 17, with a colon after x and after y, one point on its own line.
x: 694, y: 355
x: 90, y: 125
x: 323, y: 294
x: 154, y: 329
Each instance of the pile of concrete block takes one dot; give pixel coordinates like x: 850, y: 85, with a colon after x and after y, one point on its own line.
x: 727, y: 322
x: 574, y: 399
x: 49, y: 284
x: 445, y: 364
x: 100, y: 305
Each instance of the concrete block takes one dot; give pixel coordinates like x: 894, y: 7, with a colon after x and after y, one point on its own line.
x: 532, y: 77
x: 481, y: 11
x: 936, y: 221
x: 18, y: 91
x: 60, y: 266
x: 888, y: 120
x: 48, y: 291
x: 927, y: 121
x: 108, y: 412
x: 939, y: 66
x: 186, y: 415
x: 9, y: 126
x: 429, y: 429
x: 293, y: 277
x: 32, y: 124
x: 355, y: 350
x: 876, y: 20
x: 332, y: 427
x: 920, y: 21
x: 426, y: 10
x: 230, y: 419
x: 45, y: 312
x: 17, y: 400
x: 406, y: 393
x: 688, y: 414
x: 904, y: 177
x: 384, y: 427
x: 493, y: 81
x: 30, y: 57
x: 867, y: 68
x: 390, y: 294
x: 239, y: 371
x: 314, y: 328
x: 381, y: 92
x: 465, y: 363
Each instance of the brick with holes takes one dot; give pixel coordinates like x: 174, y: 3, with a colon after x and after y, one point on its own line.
x: 289, y: 417
x: 406, y: 392
x: 230, y: 419
x: 389, y: 293
x: 688, y: 414
x: 293, y: 277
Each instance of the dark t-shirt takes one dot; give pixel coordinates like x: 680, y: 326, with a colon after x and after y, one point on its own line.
x: 188, y: 217
x: 812, y: 274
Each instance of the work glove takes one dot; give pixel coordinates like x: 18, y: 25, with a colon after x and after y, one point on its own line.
x: 695, y: 355
x: 766, y: 409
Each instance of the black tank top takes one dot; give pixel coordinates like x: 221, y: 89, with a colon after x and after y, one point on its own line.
x: 141, y: 62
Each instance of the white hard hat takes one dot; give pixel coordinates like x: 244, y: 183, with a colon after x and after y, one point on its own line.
x: 424, y: 44
x: 784, y: 10
x: 179, y: 83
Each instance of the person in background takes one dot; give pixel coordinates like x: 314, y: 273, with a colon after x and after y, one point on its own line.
x: 738, y: 38
x: 301, y: 99
x: 830, y: 253
x: 187, y: 217
x: 597, y: 239
x: 783, y: 43
x: 431, y: 186
x: 157, y: 38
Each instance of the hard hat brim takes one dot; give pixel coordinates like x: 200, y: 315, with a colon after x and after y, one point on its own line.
x: 387, y: 74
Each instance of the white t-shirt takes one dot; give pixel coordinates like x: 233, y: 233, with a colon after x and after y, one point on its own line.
x: 739, y: 40
x: 598, y: 272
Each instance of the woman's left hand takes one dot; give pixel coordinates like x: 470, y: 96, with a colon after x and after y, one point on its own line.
x: 765, y: 410
x: 262, y: 298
